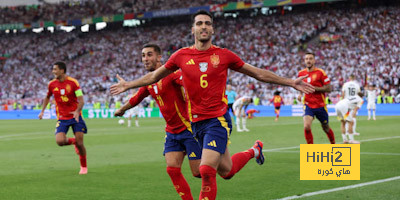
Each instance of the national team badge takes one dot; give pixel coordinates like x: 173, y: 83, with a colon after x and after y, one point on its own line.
x: 314, y: 77
x: 203, y: 66
x: 68, y: 88
x: 214, y: 60
x: 62, y: 91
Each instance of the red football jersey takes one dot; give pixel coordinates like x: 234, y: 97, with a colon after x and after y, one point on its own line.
x: 317, y: 78
x: 277, y: 100
x: 170, y: 97
x: 64, y: 95
x: 204, y: 78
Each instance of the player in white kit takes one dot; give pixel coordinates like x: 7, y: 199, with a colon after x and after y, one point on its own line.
x: 371, y: 98
x: 132, y: 112
x: 351, y: 89
x: 346, y: 110
x: 239, y: 108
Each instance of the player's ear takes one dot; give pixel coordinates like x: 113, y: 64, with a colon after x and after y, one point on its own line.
x: 159, y: 58
x: 192, y: 30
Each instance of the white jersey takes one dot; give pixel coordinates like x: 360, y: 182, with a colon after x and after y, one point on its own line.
x: 350, y: 89
x: 239, y: 103
x: 371, y: 96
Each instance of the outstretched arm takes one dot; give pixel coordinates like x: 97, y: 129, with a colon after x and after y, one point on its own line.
x: 148, y: 79
x: 270, y: 77
x: 325, y: 88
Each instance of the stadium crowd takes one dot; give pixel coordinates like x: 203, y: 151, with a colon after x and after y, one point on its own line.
x: 368, y: 46
x: 70, y: 10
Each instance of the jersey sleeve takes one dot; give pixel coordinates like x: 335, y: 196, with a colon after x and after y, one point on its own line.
x: 235, y: 62
x: 172, y: 63
x: 325, y: 78
x: 139, y: 96
x: 49, y: 90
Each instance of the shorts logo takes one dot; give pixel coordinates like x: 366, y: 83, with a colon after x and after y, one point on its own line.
x: 203, y: 66
x: 212, y: 143
x: 190, y: 62
x: 192, y: 155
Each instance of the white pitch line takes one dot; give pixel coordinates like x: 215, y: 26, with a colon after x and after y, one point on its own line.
x: 340, y: 188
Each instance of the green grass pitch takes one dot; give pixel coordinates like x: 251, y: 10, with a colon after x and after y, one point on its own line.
x: 127, y: 163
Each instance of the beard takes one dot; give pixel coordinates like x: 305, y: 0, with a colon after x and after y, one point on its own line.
x: 203, y: 39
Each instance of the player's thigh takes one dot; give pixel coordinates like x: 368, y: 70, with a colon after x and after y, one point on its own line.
x: 225, y: 165
x: 307, y: 120
x: 61, y: 137
x: 174, y: 158
x: 211, y: 158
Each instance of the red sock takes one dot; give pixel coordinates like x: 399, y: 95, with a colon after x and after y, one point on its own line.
x: 239, y: 160
x: 71, y: 141
x: 331, y: 136
x: 209, y: 183
x: 277, y: 116
x: 83, y: 160
x: 180, y: 184
x: 309, y: 136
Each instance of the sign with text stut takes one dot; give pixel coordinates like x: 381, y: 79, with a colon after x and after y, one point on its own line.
x: 329, y: 161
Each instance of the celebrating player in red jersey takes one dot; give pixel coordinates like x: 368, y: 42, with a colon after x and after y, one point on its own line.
x: 169, y: 95
x: 314, y: 103
x: 69, y: 103
x: 278, y: 101
x: 204, y: 70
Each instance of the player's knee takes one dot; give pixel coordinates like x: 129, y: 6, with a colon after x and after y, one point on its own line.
x: 307, y: 127
x: 60, y: 142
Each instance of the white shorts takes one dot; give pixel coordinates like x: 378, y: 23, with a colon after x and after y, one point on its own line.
x: 371, y: 106
x: 237, y: 113
x: 132, y: 112
x: 342, y: 111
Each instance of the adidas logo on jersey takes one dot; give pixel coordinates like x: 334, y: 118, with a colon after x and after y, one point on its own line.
x: 212, y: 143
x: 190, y: 62
x: 192, y: 155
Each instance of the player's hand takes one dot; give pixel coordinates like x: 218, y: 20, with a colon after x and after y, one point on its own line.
x: 119, y: 113
x: 76, y: 115
x: 40, y: 115
x: 302, y: 86
x: 120, y: 87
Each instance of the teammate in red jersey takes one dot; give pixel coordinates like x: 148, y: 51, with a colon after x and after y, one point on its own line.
x: 314, y: 103
x: 204, y: 70
x: 277, y: 101
x: 169, y: 95
x: 250, y: 113
x: 69, y: 103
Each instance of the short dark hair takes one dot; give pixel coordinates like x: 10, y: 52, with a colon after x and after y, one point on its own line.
x: 61, y: 65
x: 202, y: 12
x: 156, y: 48
x: 310, y: 53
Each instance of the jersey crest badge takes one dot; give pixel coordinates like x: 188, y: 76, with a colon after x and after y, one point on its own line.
x: 68, y: 88
x: 314, y: 77
x: 203, y: 66
x: 214, y: 60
